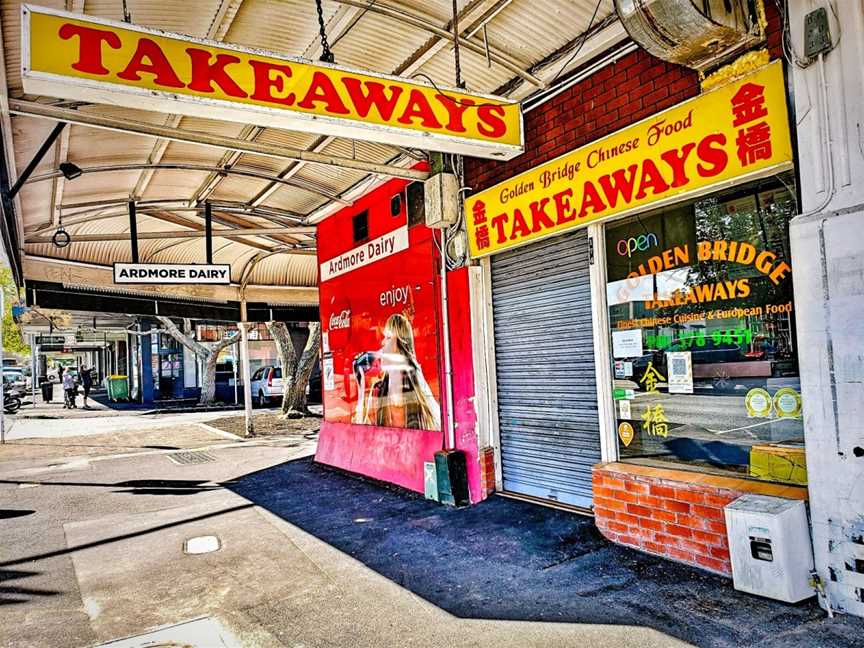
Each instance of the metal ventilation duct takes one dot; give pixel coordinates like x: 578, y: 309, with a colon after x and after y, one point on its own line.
x: 679, y: 32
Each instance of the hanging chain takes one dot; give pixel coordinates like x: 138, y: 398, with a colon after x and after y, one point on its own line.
x: 326, y: 54
x: 459, y: 82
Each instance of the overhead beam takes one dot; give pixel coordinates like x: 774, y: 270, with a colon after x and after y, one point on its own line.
x: 176, y: 219
x: 72, y: 273
x: 181, y: 166
x: 249, y: 134
x: 33, y: 109
x: 59, y: 185
x: 171, y: 234
x: 486, y: 9
x: 320, y: 144
x: 421, y: 21
x: 222, y: 20
x: 96, y: 210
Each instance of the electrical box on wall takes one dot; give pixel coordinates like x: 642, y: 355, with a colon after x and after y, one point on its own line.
x: 769, y: 543
x: 442, y: 200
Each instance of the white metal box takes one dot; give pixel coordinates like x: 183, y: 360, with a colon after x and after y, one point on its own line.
x: 430, y: 480
x: 769, y: 543
x: 441, y: 193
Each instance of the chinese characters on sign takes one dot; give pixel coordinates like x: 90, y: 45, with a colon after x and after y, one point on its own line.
x: 654, y: 420
x: 754, y: 141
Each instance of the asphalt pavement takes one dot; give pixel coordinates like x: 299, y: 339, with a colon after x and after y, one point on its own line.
x: 101, y: 547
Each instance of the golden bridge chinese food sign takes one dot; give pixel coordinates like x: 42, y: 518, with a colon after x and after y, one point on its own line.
x: 73, y: 56
x: 737, y: 132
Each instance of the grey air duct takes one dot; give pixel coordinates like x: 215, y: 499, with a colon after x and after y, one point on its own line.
x: 699, y: 34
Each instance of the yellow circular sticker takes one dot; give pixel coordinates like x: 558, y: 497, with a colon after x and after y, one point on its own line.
x: 626, y: 433
x: 787, y: 403
x: 758, y: 403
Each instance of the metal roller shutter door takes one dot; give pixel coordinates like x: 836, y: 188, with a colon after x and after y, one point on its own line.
x: 544, y: 353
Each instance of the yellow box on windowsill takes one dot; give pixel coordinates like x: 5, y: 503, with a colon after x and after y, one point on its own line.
x: 785, y: 463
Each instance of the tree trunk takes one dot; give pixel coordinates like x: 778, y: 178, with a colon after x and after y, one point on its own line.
x: 208, y: 354
x: 208, y: 380
x: 287, y: 358
x: 295, y: 375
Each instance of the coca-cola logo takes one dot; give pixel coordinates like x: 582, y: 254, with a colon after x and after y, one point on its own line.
x: 340, y: 320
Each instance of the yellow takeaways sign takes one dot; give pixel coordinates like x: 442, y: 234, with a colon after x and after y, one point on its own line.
x: 734, y: 133
x: 78, y: 57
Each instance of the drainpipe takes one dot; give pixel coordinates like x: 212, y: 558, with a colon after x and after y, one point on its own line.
x: 445, y: 325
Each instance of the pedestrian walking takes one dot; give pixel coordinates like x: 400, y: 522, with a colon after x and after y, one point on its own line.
x: 86, y: 384
x: 69, y: 390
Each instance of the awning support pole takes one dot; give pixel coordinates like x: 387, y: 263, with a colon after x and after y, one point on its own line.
x: 133, y: 231
x: 208, y: 231
x: 249, y: 428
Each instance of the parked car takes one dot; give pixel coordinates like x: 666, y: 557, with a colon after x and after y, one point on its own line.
x: 17, y: 377
x: 267, y: 385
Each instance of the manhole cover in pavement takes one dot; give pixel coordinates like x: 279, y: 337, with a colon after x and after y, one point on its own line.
x: 186, y: 458
x: 201, y: 545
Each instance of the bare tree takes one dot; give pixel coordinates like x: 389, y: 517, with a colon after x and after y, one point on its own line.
x: 295, y: 372
x: 207, y: 353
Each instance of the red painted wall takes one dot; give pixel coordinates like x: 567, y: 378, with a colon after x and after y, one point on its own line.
x: 394, y: 455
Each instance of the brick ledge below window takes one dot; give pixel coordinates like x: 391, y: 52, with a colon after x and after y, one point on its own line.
x: 705, y: 479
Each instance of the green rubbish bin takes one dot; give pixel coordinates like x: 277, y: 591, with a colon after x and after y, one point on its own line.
x: 118, y: 388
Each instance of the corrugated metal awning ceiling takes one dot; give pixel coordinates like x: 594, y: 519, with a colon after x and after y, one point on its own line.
x: 384, y: 36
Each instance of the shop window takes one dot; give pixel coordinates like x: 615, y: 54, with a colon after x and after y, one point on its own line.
x: 705, y: 366
x: 396, y: 205
x: 360, y: 223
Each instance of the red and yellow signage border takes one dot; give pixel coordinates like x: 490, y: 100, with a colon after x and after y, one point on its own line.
x: 204, y: 78
x: 620, y: 174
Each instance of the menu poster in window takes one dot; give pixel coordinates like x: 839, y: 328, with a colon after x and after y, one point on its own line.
x: 627, y: 344
x: 680, y: 368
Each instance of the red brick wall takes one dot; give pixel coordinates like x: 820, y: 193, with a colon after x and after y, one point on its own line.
x: 674, y: 519
x: 633, y: 88
x: 487, y: 471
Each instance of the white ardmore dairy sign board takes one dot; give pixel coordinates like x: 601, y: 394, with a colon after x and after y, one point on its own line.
x: 171, y: 273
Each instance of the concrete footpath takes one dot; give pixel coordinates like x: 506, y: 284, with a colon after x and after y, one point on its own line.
x: 310, y: 557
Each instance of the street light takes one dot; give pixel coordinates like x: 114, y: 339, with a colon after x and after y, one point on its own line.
x: 70, y: 170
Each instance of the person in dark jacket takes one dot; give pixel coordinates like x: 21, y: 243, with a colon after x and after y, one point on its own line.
x: 86, y: 383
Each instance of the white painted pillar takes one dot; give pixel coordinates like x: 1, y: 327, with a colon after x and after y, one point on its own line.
x: 247, y: 375
x: 827, y: 266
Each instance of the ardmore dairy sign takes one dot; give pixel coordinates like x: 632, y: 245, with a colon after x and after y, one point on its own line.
x: 171, y: 273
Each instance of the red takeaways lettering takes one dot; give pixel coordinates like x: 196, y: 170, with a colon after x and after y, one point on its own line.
x: 375, y: 95
x: 539, y: 218
x: 158, y: 66
x: 90, y: 46
x: 714, y: 157
x: 491, y: 122
x: 266, y: 82
x: 321, y: 89
x: 498, y: 221
x: 418, y: 106
x: 520, y: 225
x: 205, y: 73
x: 455, y: 109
